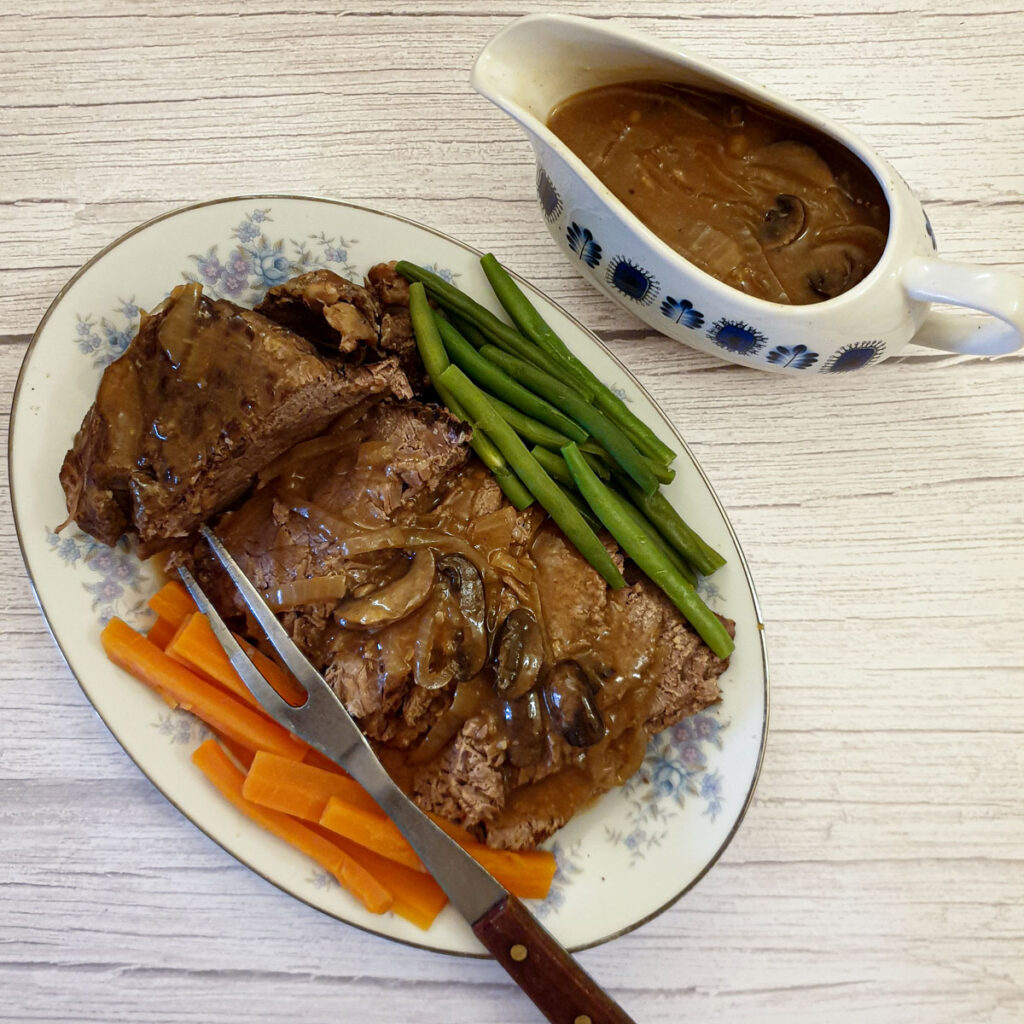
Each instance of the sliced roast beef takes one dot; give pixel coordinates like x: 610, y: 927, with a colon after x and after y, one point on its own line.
x: 396, y: 333
x: 465, y: 784
x: 329, y: 310
x: 459, y: 747
x: 359, y: 321
x: 648, y: 670
x: 205, y: 396
x: 394, y: 455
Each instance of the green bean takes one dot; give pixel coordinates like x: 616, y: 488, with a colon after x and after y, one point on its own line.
x: 500, y: 333
x: 435, y: 361
x: 547, y: 492
x: 609, y: 508
x: 643, y: 524
x: 468, y: 330
x: 635, y: 429
x: 533, y: 430
x: 664, y: 474
x: 704, y: 558
x: 494, y: 380
x: 586, y: 415
x: 520, y: 309
x: 556, y: 468
x: 582, y: 507
x: 533, y: 325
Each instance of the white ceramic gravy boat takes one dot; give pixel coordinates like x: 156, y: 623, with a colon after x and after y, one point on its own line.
x: 540, y: 60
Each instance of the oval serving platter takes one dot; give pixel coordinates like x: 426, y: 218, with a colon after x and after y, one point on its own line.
x: 625, y: 859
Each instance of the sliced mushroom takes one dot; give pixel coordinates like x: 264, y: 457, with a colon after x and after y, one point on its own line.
x: 465, y: 588
x: 836, y: 270
x: 518, y: 654
x: 524, y: 729
x: 570, y: 702
x: 394, y: 600
x: 784, y: 223
x: 451, y: 642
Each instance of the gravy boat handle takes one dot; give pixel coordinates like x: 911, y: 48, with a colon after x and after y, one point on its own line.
x: 996, y: 292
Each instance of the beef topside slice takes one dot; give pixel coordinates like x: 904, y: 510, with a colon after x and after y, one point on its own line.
x: 353, y: 320
x: 330, y: 310
x: 204, y: 397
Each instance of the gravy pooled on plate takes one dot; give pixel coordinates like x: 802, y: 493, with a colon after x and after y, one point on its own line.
x: 755, y: 199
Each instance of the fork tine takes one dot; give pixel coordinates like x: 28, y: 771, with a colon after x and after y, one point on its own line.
x: 296, y: 661
x: 271, y: 700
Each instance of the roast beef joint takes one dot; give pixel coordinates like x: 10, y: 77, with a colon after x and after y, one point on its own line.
x: 502, y: 683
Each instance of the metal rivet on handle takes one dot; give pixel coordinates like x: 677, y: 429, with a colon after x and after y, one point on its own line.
x: 519, y: 953
x: 582, y: 1019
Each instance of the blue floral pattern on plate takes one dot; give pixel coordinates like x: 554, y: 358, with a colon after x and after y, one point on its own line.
x: 257, y: 263
x: 568, y: 864
x: 117, y: 591
x: 181, y: 728
x: 675, y: 769
x: 108, y: 338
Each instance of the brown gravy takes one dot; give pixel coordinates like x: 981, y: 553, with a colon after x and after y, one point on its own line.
x: 759, y: 201
x: 529, y: 564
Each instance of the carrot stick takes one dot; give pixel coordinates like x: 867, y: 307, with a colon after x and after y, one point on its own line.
x: 526, y: 873
x: 457, y: 832
x: 243, y: 755
x: 418, y: 898
x: 161, y: 632
x: 172, y: 602
x: 286, y: 685
x: 300, y: 789
x: 143, y: 659
x: 217, y: 767
x: 370, y: 829
x: 195, y: 646
x: 317, y: 760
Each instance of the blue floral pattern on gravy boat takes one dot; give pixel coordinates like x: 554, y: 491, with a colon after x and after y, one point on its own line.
x: 737, y: 337
x: 855, y: 357
x: 681, y: 311
x: 581, y: 242
x: 676, y: 769
x: 797, y: 356
x: 633, y: 280
x: 550, y: 200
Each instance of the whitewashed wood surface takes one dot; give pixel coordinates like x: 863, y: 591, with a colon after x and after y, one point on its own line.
x: 879, y: 875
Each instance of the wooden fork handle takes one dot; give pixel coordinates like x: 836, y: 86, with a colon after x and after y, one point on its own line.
x: 558, y: 986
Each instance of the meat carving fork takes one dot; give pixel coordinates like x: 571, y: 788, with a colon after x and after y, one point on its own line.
x: 539, y: 965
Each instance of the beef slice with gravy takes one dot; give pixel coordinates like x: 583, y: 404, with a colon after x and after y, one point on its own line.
x: 204, y: 397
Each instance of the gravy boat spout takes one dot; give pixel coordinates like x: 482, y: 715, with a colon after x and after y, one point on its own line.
x: 539, y: 61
